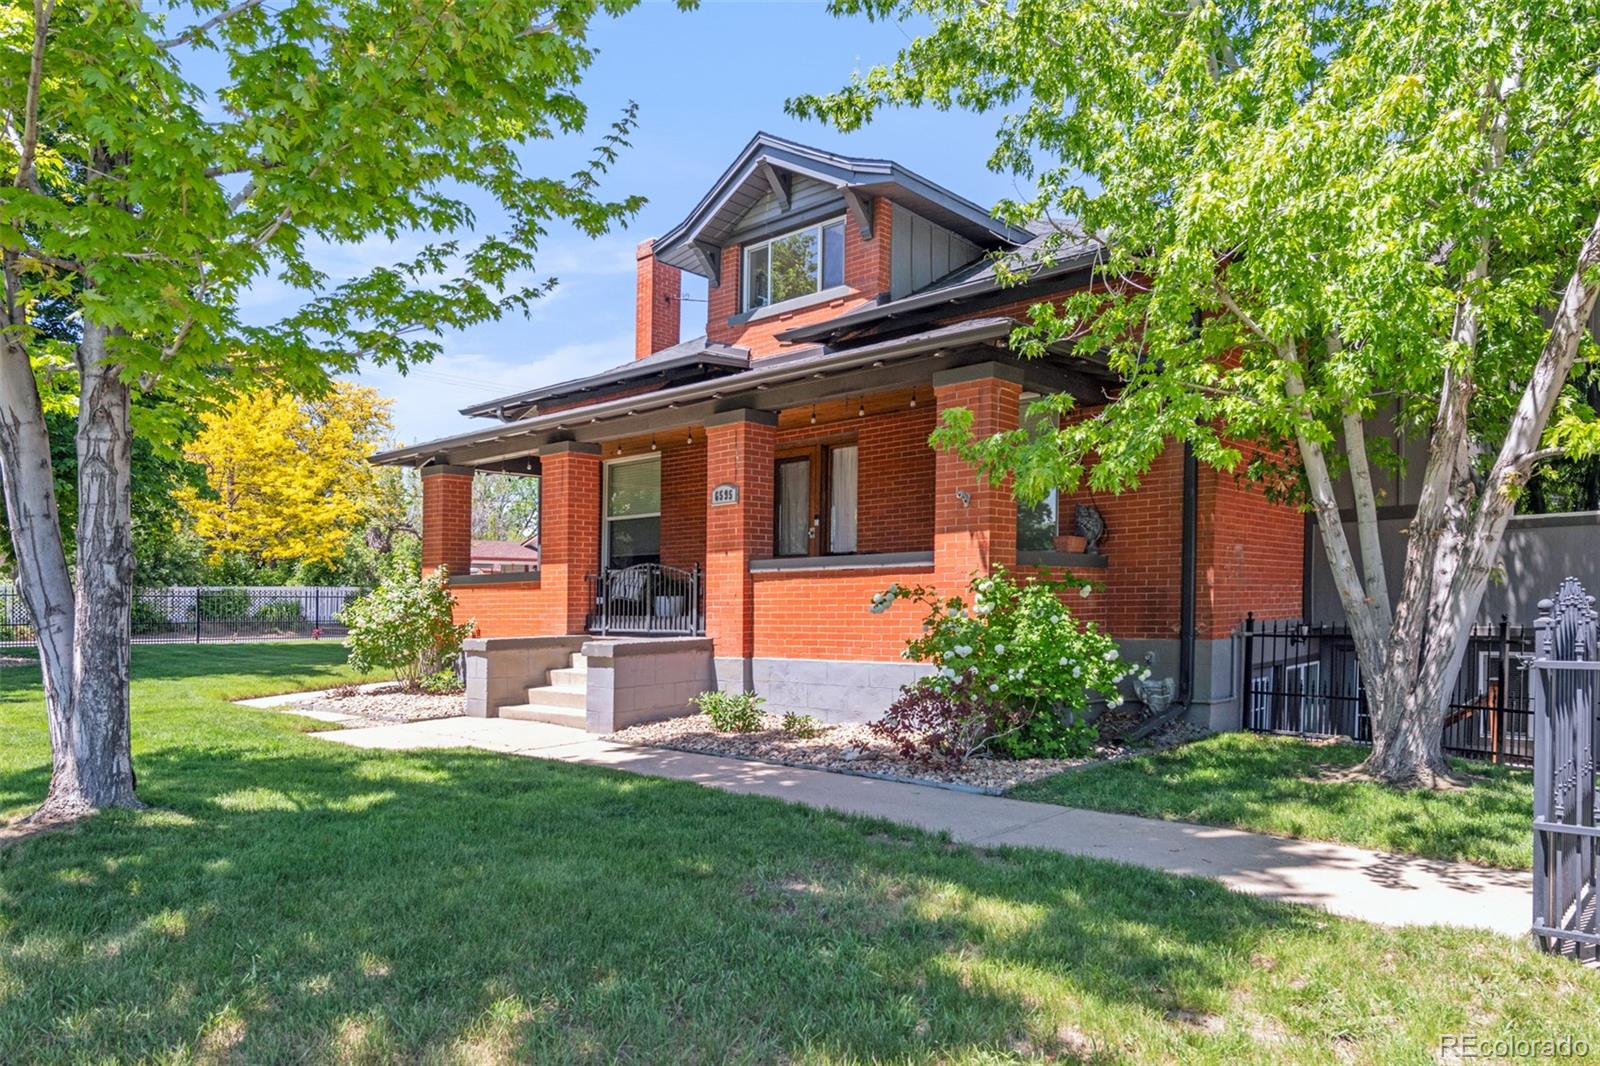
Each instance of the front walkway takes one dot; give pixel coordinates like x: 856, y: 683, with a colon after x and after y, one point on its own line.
x: 1375, y: 887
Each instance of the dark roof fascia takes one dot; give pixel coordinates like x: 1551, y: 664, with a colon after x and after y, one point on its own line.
x: 677, y: 246
x: 931, y: 303
x: 728, y: 359
x: 766, y: 371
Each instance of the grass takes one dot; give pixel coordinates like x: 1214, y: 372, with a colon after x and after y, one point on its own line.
x: 289, y: 900
x: 1290, y: 787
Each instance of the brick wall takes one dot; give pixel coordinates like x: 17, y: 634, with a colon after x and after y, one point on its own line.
x: 1250, y: 555
x: 866, y: 272
x: 826, y: 616
x: 684, y: 491
x: 510, y: 609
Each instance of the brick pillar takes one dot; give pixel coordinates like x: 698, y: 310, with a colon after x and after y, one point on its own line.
x: 569, y: 527
x: 974, y: 523
x: 739, y: 451
x: 447, y: 518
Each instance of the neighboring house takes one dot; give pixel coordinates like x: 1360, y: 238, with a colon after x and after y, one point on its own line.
x: 751, y: 489
x: 504, y: 557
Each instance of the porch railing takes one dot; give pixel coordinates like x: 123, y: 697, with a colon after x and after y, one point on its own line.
x: 1304, y: 679
x: 647, y: 599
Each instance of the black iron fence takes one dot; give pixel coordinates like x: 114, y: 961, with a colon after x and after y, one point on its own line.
x: 192, y: 615
x: 1564, y: 672
x: 1304, y: 679
x: 647, y: 599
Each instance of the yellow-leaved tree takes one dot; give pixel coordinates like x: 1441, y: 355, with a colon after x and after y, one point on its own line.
x: 288, y: 476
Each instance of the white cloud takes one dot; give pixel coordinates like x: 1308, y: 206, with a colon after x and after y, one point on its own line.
x: 427, y: 400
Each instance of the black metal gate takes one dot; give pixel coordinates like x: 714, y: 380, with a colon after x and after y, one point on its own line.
x: 647, y: 599
x: 1564, y: 673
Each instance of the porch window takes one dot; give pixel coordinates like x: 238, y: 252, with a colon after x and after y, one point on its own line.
x: 811, y: 483
x: 794, y: 265
x: 632, y: 523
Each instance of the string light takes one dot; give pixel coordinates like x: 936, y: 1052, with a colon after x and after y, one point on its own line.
x: 861, y: 409
x: 652, y: 444
x: 688, y: 435
x: 813, y: 414
x: 913, y: 399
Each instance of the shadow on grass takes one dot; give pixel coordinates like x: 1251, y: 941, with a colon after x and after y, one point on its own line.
x: 1285, y: 785
x: 315, y: 904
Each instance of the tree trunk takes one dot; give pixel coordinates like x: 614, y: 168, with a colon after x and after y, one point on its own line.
x: 1455, y: 541
x: 83, y: 639
x: 103, y: 770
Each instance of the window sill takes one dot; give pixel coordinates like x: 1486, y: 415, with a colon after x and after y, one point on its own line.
x: 525, y: 577
x: 1068, y: 560
x: 869, y: 561
x: 798, y: 303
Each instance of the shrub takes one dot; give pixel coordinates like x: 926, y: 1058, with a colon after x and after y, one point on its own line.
x: 286, y: 613
x: 731, y: 712
x: 222, y: 605
x: 443, y: 683
x: 1014, y: 672
x: 406, y: 624
x: 801, y: 726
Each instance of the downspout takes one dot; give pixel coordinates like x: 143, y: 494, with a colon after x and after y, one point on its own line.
x: 1186, y: 579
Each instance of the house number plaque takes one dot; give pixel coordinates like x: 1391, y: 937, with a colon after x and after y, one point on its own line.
x: 725, y: 493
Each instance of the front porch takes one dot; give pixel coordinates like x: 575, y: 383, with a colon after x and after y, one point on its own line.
x: 762, y: 517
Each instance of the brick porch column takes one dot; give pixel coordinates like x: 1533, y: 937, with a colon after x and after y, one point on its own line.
x: 739, y: 452
x: 447, y: 518
x: 974, y: 523
x: 569, y: 527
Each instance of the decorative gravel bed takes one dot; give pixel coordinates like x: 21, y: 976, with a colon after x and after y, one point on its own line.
x: 855, y: 749
x: 390, y: 704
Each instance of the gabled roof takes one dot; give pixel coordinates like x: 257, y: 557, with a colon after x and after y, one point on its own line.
x: 762, y: 167
x: 692, y: 360
x: 1041, y: 259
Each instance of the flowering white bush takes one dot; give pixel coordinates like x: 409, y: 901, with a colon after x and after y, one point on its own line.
x: 1014, y: 653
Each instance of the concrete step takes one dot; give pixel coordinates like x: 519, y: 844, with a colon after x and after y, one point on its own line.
x: 572, y: 698
x: 534, y: 712
x: 569, y: 677
x: 579, y: 661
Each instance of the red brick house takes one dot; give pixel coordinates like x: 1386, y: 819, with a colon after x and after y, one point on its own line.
x: 720, y: 511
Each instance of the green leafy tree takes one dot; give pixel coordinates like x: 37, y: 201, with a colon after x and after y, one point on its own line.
x: 153, y: 203
x: 1307, y: 213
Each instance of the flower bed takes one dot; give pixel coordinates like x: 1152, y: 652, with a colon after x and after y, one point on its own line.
x: 391, y: 703
x: 856, y: 749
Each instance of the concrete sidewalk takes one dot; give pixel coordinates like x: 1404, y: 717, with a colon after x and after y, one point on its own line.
x: 1375, y: 887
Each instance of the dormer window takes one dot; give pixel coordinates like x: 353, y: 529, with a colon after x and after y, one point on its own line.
x: 794, y: 265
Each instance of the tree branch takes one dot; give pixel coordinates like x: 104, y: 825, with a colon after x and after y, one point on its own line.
x: 193, y: 33
x: 28, y: 151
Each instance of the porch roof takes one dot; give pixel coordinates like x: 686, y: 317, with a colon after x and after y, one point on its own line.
x: 691, y: 360
x: 772, y: 383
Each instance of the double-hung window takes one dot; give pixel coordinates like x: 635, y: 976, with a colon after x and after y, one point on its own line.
x: 794, y: 265
x: 633, y: 512
x: 1037, y: 523
x: 815, y: 505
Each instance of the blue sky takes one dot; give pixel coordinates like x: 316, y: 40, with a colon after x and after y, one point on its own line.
x: 705, y: 82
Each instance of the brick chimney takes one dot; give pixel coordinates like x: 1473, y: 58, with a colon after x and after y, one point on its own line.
x: 656, y: 306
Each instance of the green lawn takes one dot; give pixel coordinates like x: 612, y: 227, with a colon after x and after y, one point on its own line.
x: 289, y: 900
x: 1288, y: 787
